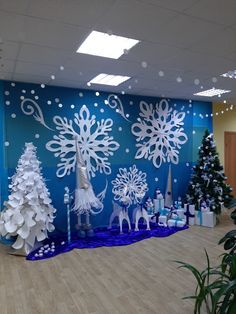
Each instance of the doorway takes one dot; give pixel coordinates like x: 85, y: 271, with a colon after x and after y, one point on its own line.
x: 230, y: 160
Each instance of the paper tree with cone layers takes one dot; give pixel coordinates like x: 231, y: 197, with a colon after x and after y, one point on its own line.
x: 28, y: 214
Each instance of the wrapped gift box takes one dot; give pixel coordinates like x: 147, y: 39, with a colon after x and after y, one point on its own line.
x: 206, y: 218
x: 191, y: 212
x: 158, y: 204
x: 152, y: 218
x: 180, y: 213
x: 176, y: 223
x: 164, y: 215
x: 162, y: 221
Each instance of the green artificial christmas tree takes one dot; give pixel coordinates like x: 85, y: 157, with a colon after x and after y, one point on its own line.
x: 207, y: 184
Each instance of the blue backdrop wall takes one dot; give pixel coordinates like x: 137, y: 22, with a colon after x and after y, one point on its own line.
x: 3, y: 165
x: 110, y: 126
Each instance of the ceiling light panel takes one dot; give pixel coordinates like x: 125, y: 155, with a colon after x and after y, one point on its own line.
x: 212, y: 92
x: 105, y: 45
x: 108, y: 79
x: 230, y: 74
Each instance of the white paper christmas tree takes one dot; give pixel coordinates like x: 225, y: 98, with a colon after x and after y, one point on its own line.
x: 28, y: 213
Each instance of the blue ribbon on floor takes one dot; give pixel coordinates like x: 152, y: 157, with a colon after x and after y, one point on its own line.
x: 102, y: 237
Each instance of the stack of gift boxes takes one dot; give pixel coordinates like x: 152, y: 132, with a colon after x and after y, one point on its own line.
x: 179, y: 215
x: 172, y: 217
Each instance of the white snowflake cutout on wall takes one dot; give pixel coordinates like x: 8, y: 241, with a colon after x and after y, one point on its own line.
x: 133, y: 182
x: 95, y: 143
x: 159, y: 133
x: 114, y: 102
x: 30, y: 107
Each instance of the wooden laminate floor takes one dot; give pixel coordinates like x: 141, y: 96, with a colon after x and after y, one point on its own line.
x: 140, y: 278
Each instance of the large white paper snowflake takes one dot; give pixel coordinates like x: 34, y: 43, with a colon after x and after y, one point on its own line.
x: 130, y: 185
x: 159, y: 133
x: 95, y: 144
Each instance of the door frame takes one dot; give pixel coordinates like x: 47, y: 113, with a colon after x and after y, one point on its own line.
x: 225, y: 134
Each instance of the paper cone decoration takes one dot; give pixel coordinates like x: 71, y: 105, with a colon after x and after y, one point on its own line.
x: 168, y: 194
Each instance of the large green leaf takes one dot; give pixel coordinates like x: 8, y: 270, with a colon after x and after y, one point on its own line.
x: 229, y: 243
x: 194, y: 271
x: 232, y: 307
x: 228, y: 235
x: 224, y: 305
x: 227, y: 288
x: 208, y: 266
x: 233, y: 267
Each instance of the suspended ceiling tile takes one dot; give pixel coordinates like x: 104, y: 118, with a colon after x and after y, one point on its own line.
x: 140, y: 21
x: 189, y: 61
x: 5, y: 75
x: 152, y: 53
x: 79, y: 12
x: 70, y: 74
x: 66, y: 83
x: 221, y: 45
x: 179, y: 5
x: 184, y: 31
x: 11, y: 26
x: 7, y: 65
x: 218, y: 11
x: 9, y: 50
x: 97, y: 65
x: 30, y: 78
x: 42, y: 54
x: 35, y: 69
x: 232, y: 57
x: 19, y: 6
x: 53, y: 34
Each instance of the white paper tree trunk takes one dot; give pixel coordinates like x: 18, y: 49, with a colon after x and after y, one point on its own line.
x: 28, y: 213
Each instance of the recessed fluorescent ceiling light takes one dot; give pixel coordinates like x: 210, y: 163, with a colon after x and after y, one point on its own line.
x: 212, y: 92
x: 105, y: 45
x: 230, y: 74
x: 108, y: 79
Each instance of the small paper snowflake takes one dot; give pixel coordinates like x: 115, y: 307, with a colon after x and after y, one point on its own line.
x: 95, y: 143
x: 130, y: 184
x: 159, y: 132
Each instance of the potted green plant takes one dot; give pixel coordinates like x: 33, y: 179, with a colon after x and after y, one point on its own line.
x: 216, y: 286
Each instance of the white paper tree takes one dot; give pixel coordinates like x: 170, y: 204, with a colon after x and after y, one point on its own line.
x: 28, y: 213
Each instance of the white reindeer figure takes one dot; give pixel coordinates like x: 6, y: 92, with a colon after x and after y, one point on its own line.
x: 140, y: 212
x: 121, y: 213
